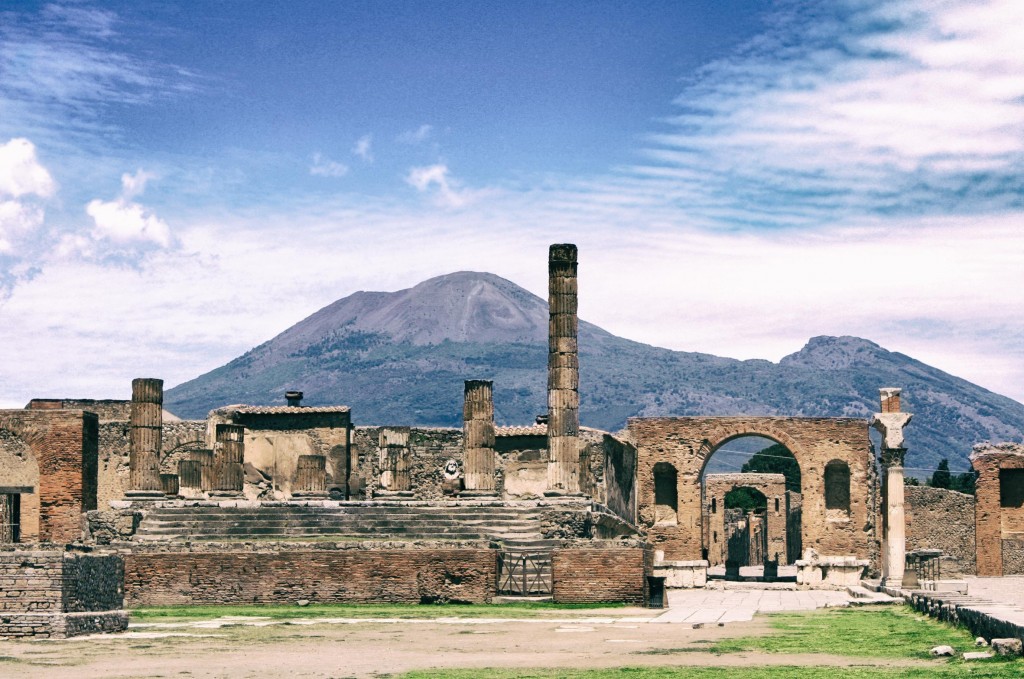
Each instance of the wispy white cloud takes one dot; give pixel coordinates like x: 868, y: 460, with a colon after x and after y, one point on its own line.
x: 417, y: 136
x: 63, y: 66
x: 436, y: 180
x: 854, y: 107
x: 364, y: 148
x: 325, y: 167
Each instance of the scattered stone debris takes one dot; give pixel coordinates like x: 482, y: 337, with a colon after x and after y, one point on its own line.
x: 1007, y: 646
x: 977, y: 655
x: 302, y: 602
x: 980, y: 641
x: 940, y: 651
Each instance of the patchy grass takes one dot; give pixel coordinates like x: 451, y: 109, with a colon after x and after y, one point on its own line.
x: 412, y: 611
x: 865, y: 632
x: 981, y: 671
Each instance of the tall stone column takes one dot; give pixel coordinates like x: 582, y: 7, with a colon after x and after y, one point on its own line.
x: 228, y: 458
x: 563, y: 373
x: 146, y: 428
x: 889, y: 423
x: 478, y: 437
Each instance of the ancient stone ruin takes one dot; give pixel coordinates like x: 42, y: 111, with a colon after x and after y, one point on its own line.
x: 124, y: 504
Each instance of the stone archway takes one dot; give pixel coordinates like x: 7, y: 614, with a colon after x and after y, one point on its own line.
x: 715, y: 522
x: 687, y: 443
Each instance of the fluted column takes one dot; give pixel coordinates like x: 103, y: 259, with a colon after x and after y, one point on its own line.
x: 146, y: 428
x: 228, y: 456
x: 889, y: 423
x: 478, y: 437
x: 563, y: 373
x: 310, y: 476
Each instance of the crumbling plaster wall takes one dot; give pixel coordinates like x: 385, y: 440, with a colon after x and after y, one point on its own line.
x: 19, y: 470
x: 688, y: 442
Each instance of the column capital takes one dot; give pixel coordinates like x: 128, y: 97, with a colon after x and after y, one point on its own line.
x: 893, y: 457
x: 890, y: 426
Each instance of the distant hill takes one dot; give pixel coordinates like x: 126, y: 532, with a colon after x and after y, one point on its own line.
x: 401, y: 358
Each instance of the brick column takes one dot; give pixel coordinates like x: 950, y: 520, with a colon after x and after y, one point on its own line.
x: 889, y: 423
x: 563, y: 373
x: 146, y: 420
x: 228, y: 456
x: 478, y: 437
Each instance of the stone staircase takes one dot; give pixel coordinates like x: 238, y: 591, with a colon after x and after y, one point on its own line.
x: 512, y: 527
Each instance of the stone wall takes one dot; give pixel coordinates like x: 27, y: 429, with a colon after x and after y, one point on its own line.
x: 772, y: 486
x: 620, y: 478
x: 601, y: 574
x: 686, y: 443
x: 429, y: 449
x: 345, y: 573
x: 938, y: 518
x: 1013, y: 556
x: 64, y: 445
x: 59, y: 594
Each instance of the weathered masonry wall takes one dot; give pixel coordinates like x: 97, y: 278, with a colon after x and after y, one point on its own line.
x: 352, y: 575
x: 999, y: 509
x: 596, y: 575
x: 772, y: 486
x: 620, y: 478
x: 60, y: 594
x: 683, y: 446
x: 938, y: 518
x: 64, y: 446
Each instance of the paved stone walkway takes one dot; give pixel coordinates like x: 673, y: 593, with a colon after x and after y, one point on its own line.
x: 703, y: 606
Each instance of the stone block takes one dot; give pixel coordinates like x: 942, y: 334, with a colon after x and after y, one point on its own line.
x: 682, y: 574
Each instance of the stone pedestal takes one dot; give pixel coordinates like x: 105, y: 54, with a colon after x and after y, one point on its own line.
x: 830, y: 572
x: 190, y: 478
x: 682, y: 574
x: 478, y: 438
x: 146, y: 428
x: 563, y: 373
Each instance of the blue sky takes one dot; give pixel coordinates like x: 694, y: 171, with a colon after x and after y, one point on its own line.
x: 181, y: 181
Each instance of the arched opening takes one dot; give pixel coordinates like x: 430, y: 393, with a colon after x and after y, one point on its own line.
x: 837, y: 491
x: 751, y: 505
x: 666, y: 494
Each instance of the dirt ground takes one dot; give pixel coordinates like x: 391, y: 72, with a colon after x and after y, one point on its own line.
x: 373, y: 648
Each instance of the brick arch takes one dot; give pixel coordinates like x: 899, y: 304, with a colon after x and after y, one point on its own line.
x: 717, y: 439
x: 689, y: 442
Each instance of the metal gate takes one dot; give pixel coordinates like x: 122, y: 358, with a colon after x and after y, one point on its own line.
x: 524, y: 573
x: 10, y: 518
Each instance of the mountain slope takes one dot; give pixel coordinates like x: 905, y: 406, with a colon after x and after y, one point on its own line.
x: 401, y: 358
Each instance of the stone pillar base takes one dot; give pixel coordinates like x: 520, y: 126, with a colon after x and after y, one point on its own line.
x: 831, y: 572
x: 393, y: 495
x: 483, y: 494
x: 142, y: 495
x: 563, y: 493
x: 226, y: 494
x: 310, y: 495
x: 682, y: 574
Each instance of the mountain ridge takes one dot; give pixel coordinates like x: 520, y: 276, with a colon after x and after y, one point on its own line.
x: 401, y: 358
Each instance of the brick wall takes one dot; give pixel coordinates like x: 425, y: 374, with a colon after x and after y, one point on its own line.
x: 688, y: 442
x: 988, y: 461
x: 351, y: 575
x: 595, y: 575
x: 938, y: 518
x: 59, y: 594
x: 64, y: 445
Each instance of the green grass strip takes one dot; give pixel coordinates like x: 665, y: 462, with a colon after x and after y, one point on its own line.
x: 865, y: 632
x: 314, y: 610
